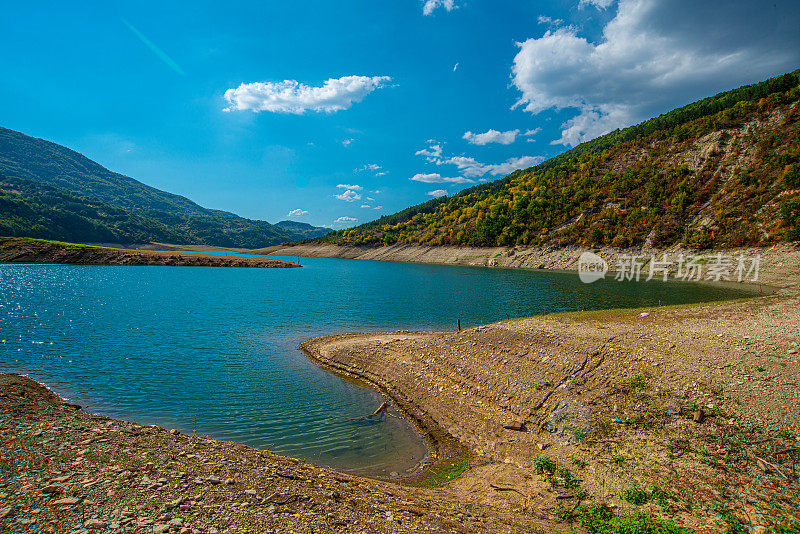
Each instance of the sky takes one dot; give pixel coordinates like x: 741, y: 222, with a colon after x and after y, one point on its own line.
x: 337, y: 112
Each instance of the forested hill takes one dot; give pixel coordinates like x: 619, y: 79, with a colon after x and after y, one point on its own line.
x: 49, y: 191
x: 724, y: 171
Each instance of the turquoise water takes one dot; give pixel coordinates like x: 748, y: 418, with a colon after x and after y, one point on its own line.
x: 214, y: 350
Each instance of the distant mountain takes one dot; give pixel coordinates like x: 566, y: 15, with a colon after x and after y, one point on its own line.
x: 51, y: 192
x: 303, y: 229
x: 723, y: 171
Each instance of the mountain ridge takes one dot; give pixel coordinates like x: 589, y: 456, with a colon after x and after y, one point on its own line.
x: 53, y: 192
x: 723, y: 171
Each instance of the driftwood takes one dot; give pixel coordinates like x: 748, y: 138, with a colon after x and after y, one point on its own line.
x: 375, y: 417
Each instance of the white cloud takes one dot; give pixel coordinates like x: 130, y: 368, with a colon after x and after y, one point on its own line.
x: 347, y: 142
x: 437, y: 193
x: 345, y: 220
x: 432, y: 5
x: 348, y: 196
x: 354, y: 187
x: 364, y: 205
x: 369, y: 199
x: 530, y: 133
x: 470, y: 167
x: 653, y: 55
x: 544, y: 19
x: 436, y: 178
x: 378, y: 208
x: 455, y: 67
x: 291, y: 96
x: 382, y: 173
x: 491, y: 136
x: 600, y: 4
x: 432, y: 153
x: 297, y: 213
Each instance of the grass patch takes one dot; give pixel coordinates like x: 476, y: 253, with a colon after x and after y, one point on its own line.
x: 638, y: 381
x: 445, y: 474
x: 599, y: 519
x: 636, y: 495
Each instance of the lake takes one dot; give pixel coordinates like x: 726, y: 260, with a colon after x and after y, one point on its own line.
x: 214, y: 350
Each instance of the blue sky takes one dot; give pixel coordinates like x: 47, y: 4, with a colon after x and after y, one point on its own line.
x: 262, y: 108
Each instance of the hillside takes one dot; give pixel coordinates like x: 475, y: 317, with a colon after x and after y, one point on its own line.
x: 721, y: 172
x: 49, y: 191
x: 303, y: 229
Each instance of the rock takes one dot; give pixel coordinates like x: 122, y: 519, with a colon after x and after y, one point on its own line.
x: 52, y: 488
x: 229, y: 482
x: 250, y: 491
x: 213, y: 480
x: 5, y: 512
x: 67, y: 501
x: 95, y: 523
x: 698, y: 416
x: 160, y: 529
x: 514, y: 425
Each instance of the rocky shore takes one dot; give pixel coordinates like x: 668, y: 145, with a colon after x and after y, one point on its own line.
x: 779, y: 264
x: 64, y: 470
x: 22, y: 250
x: 687, y: 413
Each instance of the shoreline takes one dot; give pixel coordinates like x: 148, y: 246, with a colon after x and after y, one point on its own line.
x: 36, y: 251
x: 780, y: 264
x: 441, y: 446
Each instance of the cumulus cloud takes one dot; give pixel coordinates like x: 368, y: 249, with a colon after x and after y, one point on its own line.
x: 354, y: 187
x: 297, y: 213
x: 472, y: 168
x: 491, y: 136
x: 653, y: 55
x: 291, y: 96
x: 432, y: 5
x: 345, y: 220
x: 432, y: 153
x: 348, y: 196
x: 437, y: 193
x: 436, y: 178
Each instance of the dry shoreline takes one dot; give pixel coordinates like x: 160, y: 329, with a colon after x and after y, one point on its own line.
x: 780, y: 264
x: 15, y: 250
x: 612, y: 396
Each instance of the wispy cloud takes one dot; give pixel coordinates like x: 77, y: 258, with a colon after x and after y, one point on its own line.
x: 432, y: 5
x: 436, y: 178
x: 491, y: 136
x: 156, y: 50
x: 291, y: 96
x: 345, y: 220
x: 297, y: 213
x: 350, y: 186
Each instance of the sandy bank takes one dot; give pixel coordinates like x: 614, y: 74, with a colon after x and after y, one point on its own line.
x: 780, y: 265
x: 698, y: 401
x: 15, y: 250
